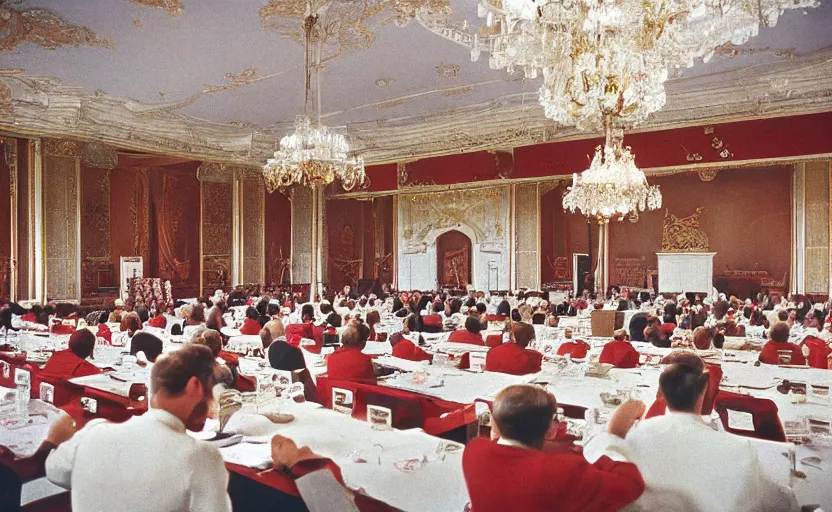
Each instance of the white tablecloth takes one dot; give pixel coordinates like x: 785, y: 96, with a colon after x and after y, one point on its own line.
x: 434, y: 485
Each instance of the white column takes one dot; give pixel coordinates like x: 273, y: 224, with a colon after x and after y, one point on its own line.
x: 236, y: 232
x: 798, y: 273
x: 39, y: 266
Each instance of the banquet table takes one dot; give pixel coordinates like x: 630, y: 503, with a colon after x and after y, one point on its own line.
x: 407, y: 469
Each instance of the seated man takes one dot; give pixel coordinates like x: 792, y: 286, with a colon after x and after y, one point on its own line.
x: 619, y: 352
x: 296, y: 332
x: 779, y: 335
x: 348, y: 362
x: 687, y: 465
x: 513, y: 357
x: 471, y: 333
x: 149, y: 463
x: 405, y: 349
x: 228, y: 361
x: 72, y: 362
x: 513, y: 472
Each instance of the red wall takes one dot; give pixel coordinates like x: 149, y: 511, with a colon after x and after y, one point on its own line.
x: 746, y: 218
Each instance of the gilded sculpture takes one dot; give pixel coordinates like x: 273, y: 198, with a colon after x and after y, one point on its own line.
x: 42, y: 27
x: 173, y: 7
x: 683, y: 234
x: 349, y: 25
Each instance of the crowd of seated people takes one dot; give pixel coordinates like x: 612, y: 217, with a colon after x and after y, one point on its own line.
x: 638, y: 463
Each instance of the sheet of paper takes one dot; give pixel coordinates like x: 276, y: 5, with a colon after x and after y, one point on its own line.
x: 740, y: 420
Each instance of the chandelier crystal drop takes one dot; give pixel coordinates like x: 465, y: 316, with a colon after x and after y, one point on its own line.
x: 613, y: 187
x: 600, y: 57
x: 313, y: 155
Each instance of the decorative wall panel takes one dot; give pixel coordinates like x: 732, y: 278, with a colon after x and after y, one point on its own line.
x: 24, y: 253
x: 302, y: 235
x: 383, y: 239
x: 129, y: 217
x: 527, y: 229
x: 278, y: 227
x: 174, y: 233
x: 6, y: 191
x: 97, y: 270
x: 252, y: 212
x: 817, y: 227
x: 482, y: 215
x: 346, y: 223
x: 217, y: 221
x: 60, y: 209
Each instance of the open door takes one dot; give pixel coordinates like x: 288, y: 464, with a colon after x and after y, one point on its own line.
x: 453, y: 260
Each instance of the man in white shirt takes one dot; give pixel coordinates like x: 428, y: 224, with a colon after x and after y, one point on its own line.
x: 149, y: 463
x: 688, y: 466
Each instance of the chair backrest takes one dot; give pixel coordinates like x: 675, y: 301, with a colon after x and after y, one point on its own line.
x: 494, y: 340
x: 637, y: 325
x: 819, y: 352
x: 734, y: 411
x: 432, y: 323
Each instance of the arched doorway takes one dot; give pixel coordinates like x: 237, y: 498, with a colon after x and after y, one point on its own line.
x: 453, y: 259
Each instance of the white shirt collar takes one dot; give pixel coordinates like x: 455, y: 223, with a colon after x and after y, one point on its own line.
x: 167, y: 419
x: 510, y: 442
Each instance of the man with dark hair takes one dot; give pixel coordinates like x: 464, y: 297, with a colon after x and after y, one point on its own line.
x: 779, y: 342
x: 471, y: 333
x: 72, y: 362
x: 348, y: 362
x: 149, y: 463
x: 687, y: 465
x: 513, y: 357
x: 513, y: 472
x: 296, y: 332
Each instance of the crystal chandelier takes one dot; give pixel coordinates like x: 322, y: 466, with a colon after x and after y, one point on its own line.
x: 613, y: 187
x: 600, y: 57
x: 311, y: 154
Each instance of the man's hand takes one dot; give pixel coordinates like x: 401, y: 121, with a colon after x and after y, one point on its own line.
x: 62, y: 430
x: 625, y: 417
x: 286, y: 453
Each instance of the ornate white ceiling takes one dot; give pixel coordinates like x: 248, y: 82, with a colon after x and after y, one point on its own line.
x: 218, y: 79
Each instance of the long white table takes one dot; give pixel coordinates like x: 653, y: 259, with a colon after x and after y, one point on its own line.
x: 431, y: 484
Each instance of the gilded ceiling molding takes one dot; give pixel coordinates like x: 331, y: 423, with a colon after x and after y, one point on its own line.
x: 173, y: 7
x: 447, y: 70
x: 347, y: 25
x: 60, y: 147
x: 42, y: 27
x: 44, y: 107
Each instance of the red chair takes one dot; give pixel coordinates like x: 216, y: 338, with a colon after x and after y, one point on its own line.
x: 819, y: 352
x: 576, y: 349
x: 432, y: 323
x: 494, y: 340
x: 714, y: 378
x: 764, y: 412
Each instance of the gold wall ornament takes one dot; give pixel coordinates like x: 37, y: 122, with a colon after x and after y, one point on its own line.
x: 99, y: 156
x: 683, y: 234
x: 44, y: 28
x: 708, y: 174
x: 173, y: 7
x: 447, y: 70
x: 61, y: 147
